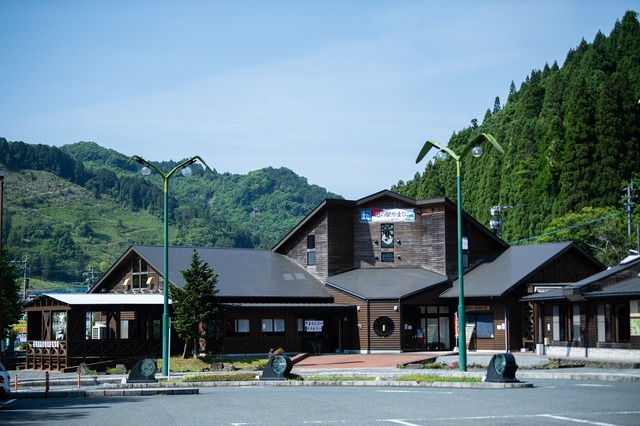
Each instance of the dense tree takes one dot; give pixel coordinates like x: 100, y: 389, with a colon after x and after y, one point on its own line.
x: 571, y: 136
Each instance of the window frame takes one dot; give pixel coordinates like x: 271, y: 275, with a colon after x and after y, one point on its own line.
x: 273, y: 327
x: 481, y: 327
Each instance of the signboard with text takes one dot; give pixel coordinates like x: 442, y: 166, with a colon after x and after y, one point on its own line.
x: 313, y: 326
x: 387, y: 215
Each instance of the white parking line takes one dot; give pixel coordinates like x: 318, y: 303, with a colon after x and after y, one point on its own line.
x: 401, y: 422
x: 413, y: 391
x: 570, y: 419
x: 594, y: 385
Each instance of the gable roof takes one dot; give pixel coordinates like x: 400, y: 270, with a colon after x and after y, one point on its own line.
x: 242, y: 273
x: 329, y: 202
x: 385, y: 283
x: 589, y: 287
x: 320, y: 207
x: 496, y: 277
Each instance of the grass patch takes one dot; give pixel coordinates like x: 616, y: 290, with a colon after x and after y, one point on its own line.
x: 226, y: 377
x: 432, y: 365
x: 339, y: 379
x: 448, y: 379
x: 218, y: 377
x: 185, y: 365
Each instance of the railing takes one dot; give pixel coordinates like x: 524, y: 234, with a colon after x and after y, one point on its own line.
x: 59, y: 354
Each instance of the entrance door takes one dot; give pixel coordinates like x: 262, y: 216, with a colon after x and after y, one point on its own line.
x: 437, y: 328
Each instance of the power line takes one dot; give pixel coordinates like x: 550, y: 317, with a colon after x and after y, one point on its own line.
x: 567, y: 228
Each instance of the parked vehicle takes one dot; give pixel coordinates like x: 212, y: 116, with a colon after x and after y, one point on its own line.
x: 5, y: 384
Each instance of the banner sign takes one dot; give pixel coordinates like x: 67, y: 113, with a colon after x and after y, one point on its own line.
x: 313, y: 326
x: 45, y: 344
x: 387, y: 215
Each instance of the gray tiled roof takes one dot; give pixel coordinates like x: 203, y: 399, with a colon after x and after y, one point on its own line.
x: 497, y: 277
x: 242, y: 273
x: 389, y: 283
x: 589, y: 288
x: 624, y: 288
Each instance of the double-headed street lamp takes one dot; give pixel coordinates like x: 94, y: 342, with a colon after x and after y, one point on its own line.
x: 186, y: 171
x: 476, y: 150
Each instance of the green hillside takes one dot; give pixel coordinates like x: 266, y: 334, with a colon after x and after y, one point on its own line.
x: 571, y: 137
x: 73, y: 210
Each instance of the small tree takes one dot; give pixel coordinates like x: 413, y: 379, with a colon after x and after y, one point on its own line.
x: 195, y: 306
x: 10, y: 308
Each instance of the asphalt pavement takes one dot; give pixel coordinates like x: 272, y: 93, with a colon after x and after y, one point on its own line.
x: 381, y: 366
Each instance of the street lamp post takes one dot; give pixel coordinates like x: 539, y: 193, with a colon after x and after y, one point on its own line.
x: 186, y: 171
x: 476, y: 151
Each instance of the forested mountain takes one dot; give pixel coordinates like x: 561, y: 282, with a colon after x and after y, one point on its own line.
x: 75, y: 209
x: 571, y: 137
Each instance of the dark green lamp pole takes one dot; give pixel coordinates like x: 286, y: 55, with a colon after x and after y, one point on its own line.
x: 476, y: 151
x: 186, y: 171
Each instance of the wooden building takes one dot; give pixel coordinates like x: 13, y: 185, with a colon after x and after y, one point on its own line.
x: 373, y: 275
x: 395, y: 259
x: 597, y: 317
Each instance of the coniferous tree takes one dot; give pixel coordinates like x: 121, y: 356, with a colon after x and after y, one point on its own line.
x: 195, y: 307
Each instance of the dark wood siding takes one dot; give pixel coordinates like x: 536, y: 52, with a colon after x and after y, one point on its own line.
x: 292, y: 340
x: 296, y: 248
x: 357, y: 334
x: 432, y: 244
x: 339, y: 229
x: 407, y: 250
x: 388, y: 343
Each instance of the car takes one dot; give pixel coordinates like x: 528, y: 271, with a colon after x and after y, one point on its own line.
x: 5, y: 382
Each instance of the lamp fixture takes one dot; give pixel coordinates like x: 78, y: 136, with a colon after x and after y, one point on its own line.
x: 473, y: 148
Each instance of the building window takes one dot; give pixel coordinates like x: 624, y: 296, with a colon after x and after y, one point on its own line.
x: 139, y: 274
x: 559, y: 323
x: 634, y: 317
x: 311, y: 258
x: 575, y: 323
x: 483, y: 325
x: 273, y: 327
x: 237, y: 327
x: 612, y: 324
x: 311, y: 245
x: 124, y: 329
x: 566, y: 323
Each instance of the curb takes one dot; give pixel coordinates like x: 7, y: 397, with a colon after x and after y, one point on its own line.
x: 103, y: 393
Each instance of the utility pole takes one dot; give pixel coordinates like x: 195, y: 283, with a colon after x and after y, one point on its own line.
x: 25, y: 278
x: 628, y: 205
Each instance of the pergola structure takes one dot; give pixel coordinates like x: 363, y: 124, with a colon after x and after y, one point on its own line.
x: 65, y: 330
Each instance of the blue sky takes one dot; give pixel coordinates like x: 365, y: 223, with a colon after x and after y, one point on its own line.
x: 343, y: 93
